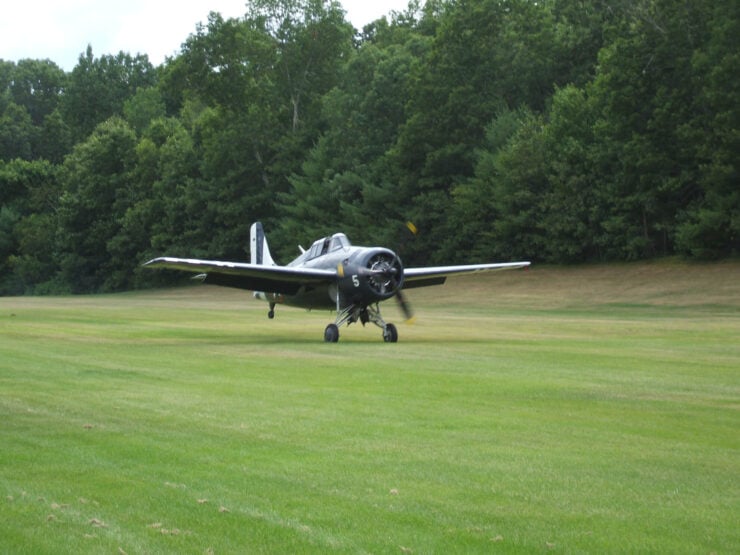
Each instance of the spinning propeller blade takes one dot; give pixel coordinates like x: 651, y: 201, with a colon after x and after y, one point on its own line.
x: 403, y: 303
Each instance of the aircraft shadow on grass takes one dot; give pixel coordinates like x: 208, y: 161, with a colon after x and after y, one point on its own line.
x: 332, y: 274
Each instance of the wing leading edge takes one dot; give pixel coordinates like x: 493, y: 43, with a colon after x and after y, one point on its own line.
x: 253, y: 277
x: 436, y: 275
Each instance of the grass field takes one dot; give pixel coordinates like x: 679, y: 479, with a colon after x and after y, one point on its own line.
x: 576, y: 410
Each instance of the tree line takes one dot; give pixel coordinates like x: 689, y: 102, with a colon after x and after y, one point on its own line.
x: 558, y: 131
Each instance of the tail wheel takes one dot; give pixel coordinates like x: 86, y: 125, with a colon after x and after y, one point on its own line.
x: 390, y: 334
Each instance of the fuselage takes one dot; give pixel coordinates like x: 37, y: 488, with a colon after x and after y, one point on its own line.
x: 364, y: 275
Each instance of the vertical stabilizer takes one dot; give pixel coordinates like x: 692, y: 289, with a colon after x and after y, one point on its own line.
x: 259, y: 251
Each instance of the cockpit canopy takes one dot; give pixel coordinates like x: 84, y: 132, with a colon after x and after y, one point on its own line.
x: 328, y: 244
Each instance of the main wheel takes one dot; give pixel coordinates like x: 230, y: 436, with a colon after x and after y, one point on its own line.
x: 331, y: 333
x: 390, y: 334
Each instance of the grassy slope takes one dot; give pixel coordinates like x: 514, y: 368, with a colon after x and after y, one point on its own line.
x: 583, y: 409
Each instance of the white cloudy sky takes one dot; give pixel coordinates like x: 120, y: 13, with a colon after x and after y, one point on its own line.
x: 61, y: 29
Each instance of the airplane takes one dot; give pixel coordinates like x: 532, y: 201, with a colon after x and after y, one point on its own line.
x: 332, y: 274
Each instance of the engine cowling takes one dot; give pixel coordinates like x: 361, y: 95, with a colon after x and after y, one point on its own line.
x: 371, y: 276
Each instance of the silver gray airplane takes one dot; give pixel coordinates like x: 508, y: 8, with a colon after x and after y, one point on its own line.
x: 331, y: 275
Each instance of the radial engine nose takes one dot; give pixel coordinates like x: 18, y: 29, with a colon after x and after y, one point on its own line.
x: 371, y: 276
x: 384, y: 272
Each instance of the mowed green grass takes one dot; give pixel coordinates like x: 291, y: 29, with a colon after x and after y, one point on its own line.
x: 588, y: 409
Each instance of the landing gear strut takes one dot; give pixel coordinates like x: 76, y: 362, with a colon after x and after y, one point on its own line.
x: 353, y: 313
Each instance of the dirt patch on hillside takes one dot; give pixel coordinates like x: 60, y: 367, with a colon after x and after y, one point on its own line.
x: 661, y: 283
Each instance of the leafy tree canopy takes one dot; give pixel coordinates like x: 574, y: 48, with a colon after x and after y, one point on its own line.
x: 557, y: 131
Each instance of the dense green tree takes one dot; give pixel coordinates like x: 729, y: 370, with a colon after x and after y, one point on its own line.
x: 16, y: 133
x: 261, y: 78
x: 348, y: 181
x: 166, y: 212
x: 623, y: 157
x: 487, y: 56
x: 643, y: 94
x: 143, y: 107
x: 37, y: 85
x: 574, y: 203
x: 175, y: 205
x: 557, y: 130
x: 53, y: 139
x: 31, y: 126
x: 7, y: 69
x: 514, y: 178
x: 33, y: 264
x: 97, y: 190
x: 479, y: 211
x: 709, y: 227
x: 97, y: 88
x: 310, y: 36
x: 28, y: 200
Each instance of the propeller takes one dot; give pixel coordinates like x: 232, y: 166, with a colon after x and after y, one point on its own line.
x: 386, y: 274
x: 404, y: 305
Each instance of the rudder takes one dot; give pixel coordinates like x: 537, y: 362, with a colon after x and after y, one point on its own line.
x: 258, y: 249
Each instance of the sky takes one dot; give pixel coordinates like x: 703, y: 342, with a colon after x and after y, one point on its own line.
x: 61, y: 30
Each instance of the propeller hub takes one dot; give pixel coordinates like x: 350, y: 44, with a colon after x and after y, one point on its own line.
x: 384, y: 273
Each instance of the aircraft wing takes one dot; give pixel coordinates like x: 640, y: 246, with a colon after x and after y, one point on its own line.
x: 254, y: 277
x: 436, y: 275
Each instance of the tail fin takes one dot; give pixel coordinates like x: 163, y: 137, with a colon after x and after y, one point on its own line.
x: 260, y: 252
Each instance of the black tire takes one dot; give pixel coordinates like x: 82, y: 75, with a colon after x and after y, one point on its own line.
x: 390, y: 334
x: 331, y: 333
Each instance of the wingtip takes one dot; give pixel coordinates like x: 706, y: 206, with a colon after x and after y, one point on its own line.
x: 152, y: 262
